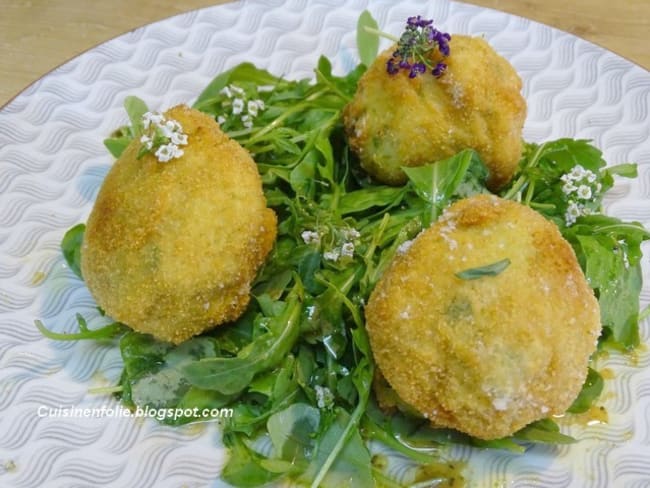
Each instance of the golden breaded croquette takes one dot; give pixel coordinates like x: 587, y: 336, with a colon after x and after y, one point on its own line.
x: 396, y: 121
x: 486, y: 356
x: 171, y: 249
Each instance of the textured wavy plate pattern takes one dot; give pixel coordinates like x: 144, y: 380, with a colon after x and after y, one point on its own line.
x: 52, y: 163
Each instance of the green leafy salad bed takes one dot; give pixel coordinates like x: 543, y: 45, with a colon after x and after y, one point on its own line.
x: 296, y: 369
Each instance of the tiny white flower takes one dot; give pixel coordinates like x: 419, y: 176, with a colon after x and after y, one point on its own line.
x: 584, y: 192
x: 578, y: 172
x: 165, y: 131
x: 573, y: 211
x: 226, y: 91
x: 174, y: 125
x: 347, y: 250
x: 247, y: 121
x: 170, y: 127
x: 591, y: 176
x: 237, y: 106
x: 237, y: 90
x: 324, y: 397
x: 351, y: 234
x: 147, y: 141
x: 149, y: 118
x: 179, y: 138
x: 566, y: 178
x: 146, y: 121
x: 252, y: 108
x: 221, y: 120
x: 165, y: 153
x: 310, y: 237
x: 598, y: 187
x: 331, y: 255
x: 568, y: 188
x: 260, y: 104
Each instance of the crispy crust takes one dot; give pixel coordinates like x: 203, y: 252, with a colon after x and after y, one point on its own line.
x: 395, y: 121
x: 171, y: 248
x: 486, y: 356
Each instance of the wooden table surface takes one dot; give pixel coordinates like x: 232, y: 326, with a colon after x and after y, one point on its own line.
x: 37, y: 36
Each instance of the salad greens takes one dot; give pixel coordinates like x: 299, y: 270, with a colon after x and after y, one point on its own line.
x: 296, y: 370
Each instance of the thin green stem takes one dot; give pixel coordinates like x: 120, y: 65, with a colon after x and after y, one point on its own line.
x: 522, y: 181
x: 332, y: 86
x: 107, y: 332
x: 375, y: 432
x: 353, y: 422
x: 377, y: 32
x: 285, y: 115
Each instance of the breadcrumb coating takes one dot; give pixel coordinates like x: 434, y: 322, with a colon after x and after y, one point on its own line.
x: 396, y: 121
x: 171, y: 249
x: 485, y: 356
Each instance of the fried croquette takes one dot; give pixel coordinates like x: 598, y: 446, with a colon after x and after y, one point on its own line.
x: 396, y: 121
x: 487, y: 355
x: 171, y: 249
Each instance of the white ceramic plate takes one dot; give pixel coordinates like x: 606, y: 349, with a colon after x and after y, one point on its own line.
x: 52, y: 163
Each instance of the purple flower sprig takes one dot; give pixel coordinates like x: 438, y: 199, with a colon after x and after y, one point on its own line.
x: 418, y: 40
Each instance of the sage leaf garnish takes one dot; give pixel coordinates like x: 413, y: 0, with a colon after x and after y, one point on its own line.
x: 487, y: 270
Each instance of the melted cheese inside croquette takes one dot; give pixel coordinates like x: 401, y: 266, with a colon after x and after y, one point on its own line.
x: 396, y: 121
x: 171, y: 249
x: 489, y: 355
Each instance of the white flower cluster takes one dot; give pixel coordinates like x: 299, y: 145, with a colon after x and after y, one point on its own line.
x: 310, y: 237
x: 344, y: 248
x: 247, y: 110
x: 580, y: 185
x: 165, y: 135
x: 324, y: 397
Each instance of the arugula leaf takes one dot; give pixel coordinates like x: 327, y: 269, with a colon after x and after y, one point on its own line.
x: 141, y: 354
x: 135, y: 109
x: 118, y: 141
x: 543, y: 431
x: 244, y: 467
x: 627, y: 170
x: 292, y: 431
x: 367, y: 42
x: 590, y: 391
x: 71, y: 247
x: 609, y: 252
x: 231, y: 375
x: 246, y: 72
x: 438, y: 182
x: 109, y: 331
x: 117, y: 144
x: 366, y: 198
x: 341, y: 457
x: 538, y: 181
